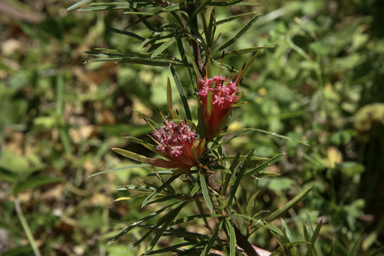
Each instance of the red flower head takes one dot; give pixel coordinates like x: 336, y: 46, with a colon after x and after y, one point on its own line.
x: 176, y: 142
x: 218, y: 98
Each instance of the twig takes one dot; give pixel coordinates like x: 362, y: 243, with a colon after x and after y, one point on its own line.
x: 243, y: 243
x: 196, y: 49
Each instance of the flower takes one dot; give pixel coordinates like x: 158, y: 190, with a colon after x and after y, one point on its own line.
x: 176, y: 142
x: 218, y: 98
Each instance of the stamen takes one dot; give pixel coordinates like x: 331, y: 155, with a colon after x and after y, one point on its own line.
x: 162, y: 115
x: 146, y: 120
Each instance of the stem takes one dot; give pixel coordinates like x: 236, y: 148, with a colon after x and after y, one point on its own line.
x: 26, y: 227
x: 195, y: 46
x: 243, y: 243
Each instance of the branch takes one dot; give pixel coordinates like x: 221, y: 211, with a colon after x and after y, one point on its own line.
x: 243, y: 243
x: 195, y: 46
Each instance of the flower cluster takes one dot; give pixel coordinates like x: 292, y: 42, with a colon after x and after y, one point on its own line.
x: 218, y: 98
x: 178, y: 141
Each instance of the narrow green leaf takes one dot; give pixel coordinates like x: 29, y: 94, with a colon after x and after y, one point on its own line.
x: 251, y: 203
x: 234, y: 163
x: 185, y: 62
x: 171, y: 248
x: 195, y: 188
x: 161, y: 188
x: 279, y: 242
x: 198, y: 75
x: 232, y: 2
x: 211, y: 242
x: 122, y: 32
x: 288, y: 232
x: 165, y: 46
x: 308, y: 240
x: 315, y: 244
x: 355, y: 247
x: 314, y: 238
x: 241, y: 132
x: 232, y: 237
x: 232, y: 18
x: 193, y: 217
x: 289, y: 205
x: 381, y: 249
x: 198, y: 10
x: 204, y: 190
x: 120, y: 168
x: 282, y: 137
x: 126, y: 230
x: 166, y: 221
x: 169, y: 217
x: 239, y: 34
x: 241, y: 52
x: 261, y: 167
x: 181, y: 92
x: 239, y: 178
x: 78, y: 4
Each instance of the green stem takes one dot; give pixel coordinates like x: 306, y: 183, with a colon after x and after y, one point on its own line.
x: 26, y: 227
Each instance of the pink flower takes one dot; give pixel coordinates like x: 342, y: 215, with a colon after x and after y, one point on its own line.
x: 218, y: 98
x: 178, y: 143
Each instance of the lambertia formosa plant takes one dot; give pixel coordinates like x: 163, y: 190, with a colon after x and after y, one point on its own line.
x: 192, y: 151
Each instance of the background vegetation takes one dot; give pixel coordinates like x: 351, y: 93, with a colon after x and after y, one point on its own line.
x: 321, y: 83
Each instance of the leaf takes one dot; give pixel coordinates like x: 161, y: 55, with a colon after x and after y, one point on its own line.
x: 242, y: 158
x: 158, y: 190
x: 194, y: 217
x: 289, y: 205
x: 314, y: 238
x: 123, y: 198
x: 181, y: 92
x: 241, y: 132
x: 308, y: 240
x: 251, y: 202
x: 381, y: 249
x: 35, y: 181
x: 122, y: 32
x: 287, y: 231
x: 232, y: 18
x: 204, y: 190
x: 197, y: 10
x: 355, y: 247
x: 239, y: 34
x: 259, y: 168
x: 234, y: 163
x: 152, y: 161
x: 241, y: 51
x: 164, y: 46
x: 232, y: 2
x: 232, y: 237
x: 78, y: 4
x: 126, y: 230
x: 239, y: 178
x: 120, y: 168
x: 171, y: 248
x: 165, y: 223
x: 213, y: 239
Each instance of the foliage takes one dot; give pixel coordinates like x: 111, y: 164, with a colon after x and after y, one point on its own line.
x: 60, y: 118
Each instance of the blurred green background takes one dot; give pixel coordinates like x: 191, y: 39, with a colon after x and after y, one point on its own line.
x: 322, y: 83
